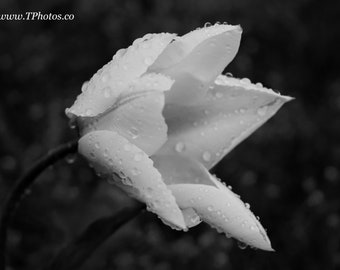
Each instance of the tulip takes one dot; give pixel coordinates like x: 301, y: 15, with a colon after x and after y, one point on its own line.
x: 156, y: 118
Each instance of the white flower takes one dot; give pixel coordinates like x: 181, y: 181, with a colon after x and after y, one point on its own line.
x: 157, y: 117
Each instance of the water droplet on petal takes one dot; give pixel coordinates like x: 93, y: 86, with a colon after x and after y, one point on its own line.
x: 88, y: 112
x: 107, y: 92
x: 262, y: 111
x: 218, y: 94
x: 127, y: 147
x: 210, y: 208
x: 206, y: 156
x: 136, y: 171
x: 180, y: 147
x: 96, y: 145
x: 195, y: 219
x: 134, y: 132
x: 138, y: 157
x: 247, y: 205
x: 126, y: 181
x: 84, y: 86
x: 111, y: 162
x: 245, y: 80
x: 148, y: 61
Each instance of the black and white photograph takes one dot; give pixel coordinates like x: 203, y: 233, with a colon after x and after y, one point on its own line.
x: 169, y: 135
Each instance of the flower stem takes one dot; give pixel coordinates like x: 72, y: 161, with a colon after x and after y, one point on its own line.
x: 23, y: 184
x: 75, y: 254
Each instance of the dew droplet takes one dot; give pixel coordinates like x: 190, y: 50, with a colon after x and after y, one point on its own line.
x: 136, y: 171
x: 111, y: 163
x: 262, y: 111
x: 252, y: 228
x: 247, y: 205
x: 138, y: 157
x: 206, y: 156
x: 218, y: 94
x: 241, y: 245
x: 207, y: 24
x: 210, y: 208
x: 96, y: 145
x: 127, y: 147
x: 148, y: 61
x: 70, y: 158
x: 72, y: 124
x: 126, y: 181
x: 180, y: 147
x: 84, y: 86
x: 88, y: 112
x: 195, y: 219
x: 134, y: 133
x: 107, y: 92
x: 245, y: 80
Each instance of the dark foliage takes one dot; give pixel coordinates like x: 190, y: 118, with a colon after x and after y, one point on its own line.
x: 288, y: 170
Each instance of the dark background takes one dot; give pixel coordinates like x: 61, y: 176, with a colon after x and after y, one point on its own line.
x: 288, y: 170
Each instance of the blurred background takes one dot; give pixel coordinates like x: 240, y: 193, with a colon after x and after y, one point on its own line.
x: 288, y: 170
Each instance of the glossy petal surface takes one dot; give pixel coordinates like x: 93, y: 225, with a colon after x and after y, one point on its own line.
x: 137, y: 116
x: 102, y: 91
x: 230, y: 111
x: 223, y: 210
x: 196, y: 59
x: 115, y: 158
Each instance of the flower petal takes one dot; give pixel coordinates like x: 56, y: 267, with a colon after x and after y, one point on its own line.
x: 195, y: 60
x: 113, y: 78
x: 179, y: 169
x: 229, y: 113
x: 223, y: 210
x: 119, y: 161
x: 138, y: 116
x: 191, y: 218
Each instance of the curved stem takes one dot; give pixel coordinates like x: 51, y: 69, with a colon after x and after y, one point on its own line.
x: 23, y: 184
x: 77, y: 252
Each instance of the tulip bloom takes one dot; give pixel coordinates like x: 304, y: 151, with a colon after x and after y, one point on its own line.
x: 156, y: 118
